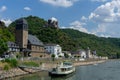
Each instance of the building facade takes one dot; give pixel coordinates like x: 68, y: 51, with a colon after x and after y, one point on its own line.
x: 53, y: 49
x: 80, y: 53
x: 12, y: 47
x: 36, y: 46
x: 29, y: 45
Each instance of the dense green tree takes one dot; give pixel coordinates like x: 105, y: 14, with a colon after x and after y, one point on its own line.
x: 3, y: 46
x: 53, y: 57
x: 5, y: 35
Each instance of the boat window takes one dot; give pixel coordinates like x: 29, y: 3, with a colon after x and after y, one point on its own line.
x: 63, y: 69
x: 67, y: 63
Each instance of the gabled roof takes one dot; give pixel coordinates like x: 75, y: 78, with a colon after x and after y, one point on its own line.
x: 34, y: 40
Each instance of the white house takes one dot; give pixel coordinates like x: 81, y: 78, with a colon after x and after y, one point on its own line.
x: 12, y: 47
x: 80, y: 53
x: 54, y: 49
x: 83, y: 54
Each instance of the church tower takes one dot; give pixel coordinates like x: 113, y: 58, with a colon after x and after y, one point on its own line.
x: 21, y: 33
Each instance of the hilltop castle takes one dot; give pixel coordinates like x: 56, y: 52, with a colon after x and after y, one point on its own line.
x: 53, y: 22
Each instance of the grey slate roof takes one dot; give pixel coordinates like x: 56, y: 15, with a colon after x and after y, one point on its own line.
x: 12, y: 44
x: 34, y: 40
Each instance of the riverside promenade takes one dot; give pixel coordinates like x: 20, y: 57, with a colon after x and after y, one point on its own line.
x: 48, y: 66
x: 44, y: 67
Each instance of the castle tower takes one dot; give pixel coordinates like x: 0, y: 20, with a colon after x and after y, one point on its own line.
x: 21, y: 33
x: 53, y: 22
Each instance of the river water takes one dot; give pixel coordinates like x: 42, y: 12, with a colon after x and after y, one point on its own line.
x: 109, y: 70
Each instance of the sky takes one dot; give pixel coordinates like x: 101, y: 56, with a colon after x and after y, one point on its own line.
x: 98, y: 17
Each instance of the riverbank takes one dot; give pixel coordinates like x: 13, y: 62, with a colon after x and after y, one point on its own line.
x: 44, y: 67
x: 88, y: 63
x: 48, y: 66
x: 11, y: 73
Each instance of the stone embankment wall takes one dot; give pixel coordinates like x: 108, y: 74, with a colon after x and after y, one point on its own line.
x: 11, y: 73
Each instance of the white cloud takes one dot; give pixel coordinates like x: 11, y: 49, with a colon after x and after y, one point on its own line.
x: 93, y: 15
x: 99, y: 0
x: 83, y: 18
x: 27, y: 8
x: 6, y: 21
x: 60, y: 3
x: 110, y: 12
x: 100, y: 29
x: 107, y: 17
x: 3, y: 8
x: 77, y: 25
x: 103, y: 35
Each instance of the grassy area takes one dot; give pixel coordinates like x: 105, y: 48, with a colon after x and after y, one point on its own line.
x: 4, y: 65
x: 8, y: 64
x: 30, y: 64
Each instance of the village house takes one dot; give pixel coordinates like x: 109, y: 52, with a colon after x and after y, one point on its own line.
x: 12, y: 47
x: 36, y: 47
x: 54, y: 49
x: 79, y: 54
x: 85, y: 54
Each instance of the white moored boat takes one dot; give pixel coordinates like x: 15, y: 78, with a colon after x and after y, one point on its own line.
x: 62, y: 69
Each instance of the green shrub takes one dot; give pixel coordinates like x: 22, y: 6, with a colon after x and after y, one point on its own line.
x: 13, y: 63
x: 53, y: 57
x: 6, y: 67
x: 7, y: 60
x: 31, y: 64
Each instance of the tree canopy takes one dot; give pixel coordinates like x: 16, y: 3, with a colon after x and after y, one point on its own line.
x: 5, y: 35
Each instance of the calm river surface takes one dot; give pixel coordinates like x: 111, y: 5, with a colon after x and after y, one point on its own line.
x: 109, y: 70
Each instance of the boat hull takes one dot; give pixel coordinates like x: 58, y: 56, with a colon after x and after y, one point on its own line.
x: 60, y: 75
x: 55, y: 74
